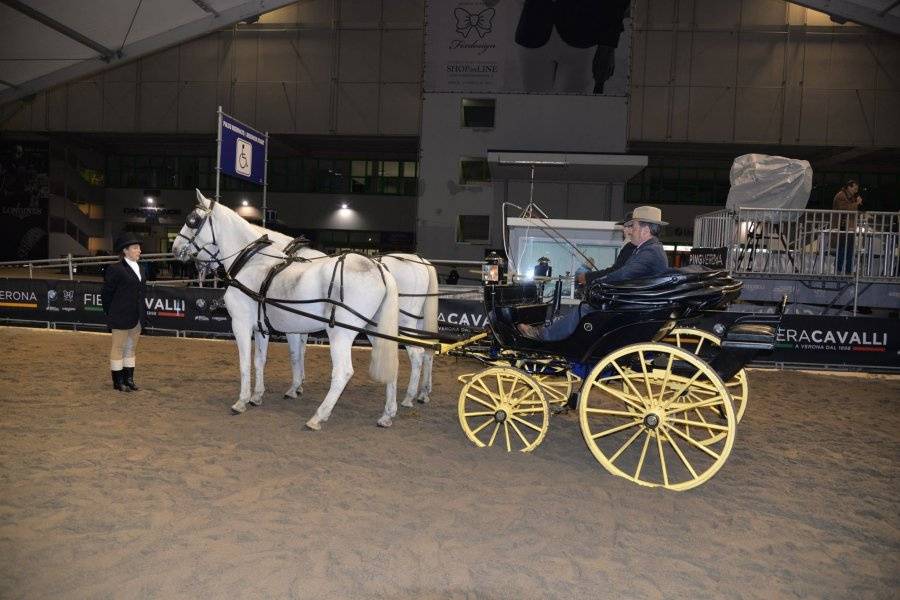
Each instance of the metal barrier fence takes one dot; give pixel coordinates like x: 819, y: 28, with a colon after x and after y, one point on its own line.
x: 847, y: 245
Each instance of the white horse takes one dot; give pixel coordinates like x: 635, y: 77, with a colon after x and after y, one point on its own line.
x: 417, y: 283
x: 214, y: 233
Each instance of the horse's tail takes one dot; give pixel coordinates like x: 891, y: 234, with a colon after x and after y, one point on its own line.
x: 383, y: 366
x: 431, y: 300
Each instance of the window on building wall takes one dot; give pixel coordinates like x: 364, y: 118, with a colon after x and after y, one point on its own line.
x: 410, y: 178
x: 473, y: 170
x: 474, y: 229
x: 478, y: 112
x: 361, y: 173
x: 389, y: 176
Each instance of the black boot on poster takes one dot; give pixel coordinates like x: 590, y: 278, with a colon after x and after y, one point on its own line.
x: 118, y: 379
x: 128, y: 379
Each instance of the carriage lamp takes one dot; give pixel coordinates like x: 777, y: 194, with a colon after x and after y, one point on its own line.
x: 494, y: 269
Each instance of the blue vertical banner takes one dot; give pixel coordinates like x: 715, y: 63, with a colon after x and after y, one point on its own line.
x: 242, y: 151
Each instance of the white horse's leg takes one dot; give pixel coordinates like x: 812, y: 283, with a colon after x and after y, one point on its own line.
x: 390, y: 405
x: 425, y: 386
x: 297, y: 350
x: 341, y: 343
x: 415, y: 366
x: 259, y: 363
x: 242, y: 337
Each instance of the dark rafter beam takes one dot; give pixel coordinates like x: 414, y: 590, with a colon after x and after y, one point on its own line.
x: 59, y: 27
x: 853, y: 11
x: 205, y: 7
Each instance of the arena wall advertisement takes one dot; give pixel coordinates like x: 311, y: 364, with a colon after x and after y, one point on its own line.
x: 850, y: 342
x: 528, y: 46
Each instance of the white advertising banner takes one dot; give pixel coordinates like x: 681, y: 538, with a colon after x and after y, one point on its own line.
x: 528, y: 46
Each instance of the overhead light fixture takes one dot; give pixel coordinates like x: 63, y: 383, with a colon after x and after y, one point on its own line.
x: 149, y: 200
x: 244, y: 203
x: 344, y: 206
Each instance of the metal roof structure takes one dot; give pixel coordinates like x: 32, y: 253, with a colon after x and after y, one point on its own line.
x: 880, y: 14
x: 49, y: 42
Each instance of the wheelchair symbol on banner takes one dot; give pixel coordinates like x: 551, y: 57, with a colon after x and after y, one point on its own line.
x: 243, y: 157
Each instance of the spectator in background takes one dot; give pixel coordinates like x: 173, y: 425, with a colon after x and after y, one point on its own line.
x: 848, y: 199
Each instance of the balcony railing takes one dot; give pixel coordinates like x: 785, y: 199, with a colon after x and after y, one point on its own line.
x: 833, y: 244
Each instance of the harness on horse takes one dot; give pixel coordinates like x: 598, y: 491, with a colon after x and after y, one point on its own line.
x: 243, y: 256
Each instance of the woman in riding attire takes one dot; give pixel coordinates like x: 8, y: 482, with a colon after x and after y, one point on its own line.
x: 123, y: 295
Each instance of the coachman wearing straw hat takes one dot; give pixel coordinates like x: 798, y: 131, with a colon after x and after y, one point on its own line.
x: 123, y: 295
x: 648, y: 258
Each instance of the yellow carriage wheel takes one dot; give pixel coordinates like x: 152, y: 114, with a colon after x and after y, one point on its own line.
x: 693, y: 340
x: 503, y: 407
x: 556, y: 388
x: 647, y: 433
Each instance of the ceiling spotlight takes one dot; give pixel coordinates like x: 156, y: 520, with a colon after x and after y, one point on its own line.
x: 244, y: 203
x: 149, y: 200
x: 344, y: 206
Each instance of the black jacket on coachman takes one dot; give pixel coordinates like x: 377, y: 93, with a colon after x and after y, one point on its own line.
x: 123, y: 296
x: 580, y: 23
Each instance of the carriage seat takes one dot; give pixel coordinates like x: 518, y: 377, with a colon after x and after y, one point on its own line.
x: 750, y: 335
x: 691, y: 287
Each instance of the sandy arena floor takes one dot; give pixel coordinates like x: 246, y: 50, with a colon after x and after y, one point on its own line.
x: 164, y: 494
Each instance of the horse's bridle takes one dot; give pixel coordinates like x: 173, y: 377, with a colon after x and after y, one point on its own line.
x: 196, y: 223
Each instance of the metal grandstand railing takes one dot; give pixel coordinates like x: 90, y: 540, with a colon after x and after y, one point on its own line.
x: 834, y: 244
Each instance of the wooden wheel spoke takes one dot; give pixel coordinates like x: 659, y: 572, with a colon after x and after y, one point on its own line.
x: 687, y: 385
x: 500, y: 393
x: 694, y: 442
x: 646, y: 375
x: 627, y: 380
x: 702, y: 418
x: 525, y: 441
x: 704, y: 424
x: 665, y: 382
x: 482, y: 426
x: 527, y: 423
x: 480, y: 413
x: 506, y: 435
x: 484, y: 388
x: 637, y: 471
x: 494, y: 433
x: 613, y: 430
x: 680, y: 454
x: 480, y: 401
x: 622, y: 448
x: 662, y: 460
x: 630, y: 400
x: 686, y: 406
x: 608, y: 411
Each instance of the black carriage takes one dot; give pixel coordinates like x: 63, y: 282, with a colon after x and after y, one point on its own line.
x: 659, y: 399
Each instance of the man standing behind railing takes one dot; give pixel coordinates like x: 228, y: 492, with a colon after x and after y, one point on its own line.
x: 847, y: 198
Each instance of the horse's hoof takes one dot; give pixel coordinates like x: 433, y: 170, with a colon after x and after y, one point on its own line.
x: 408, y: 403
x: 239, y: 407
x: 385, y: 422
x: 314, y: 425
x: 256, y: 401
x: 423, y: 400
x: 291, y: 394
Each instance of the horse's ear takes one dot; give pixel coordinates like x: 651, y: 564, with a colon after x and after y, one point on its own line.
x: 202, y: 202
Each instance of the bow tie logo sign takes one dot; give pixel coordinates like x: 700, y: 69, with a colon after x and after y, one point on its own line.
x: 243, y: 157
x: 481, y: 22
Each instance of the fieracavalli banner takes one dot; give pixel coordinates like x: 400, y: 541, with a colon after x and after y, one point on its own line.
x: 809, y: 340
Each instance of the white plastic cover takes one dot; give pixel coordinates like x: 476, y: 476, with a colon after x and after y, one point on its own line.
x: 763, y: 181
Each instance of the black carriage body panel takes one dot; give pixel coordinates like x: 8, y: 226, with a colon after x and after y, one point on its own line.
x: 634, y: 312
x: 599, y: 332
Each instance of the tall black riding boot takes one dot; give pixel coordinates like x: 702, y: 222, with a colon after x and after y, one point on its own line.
x: 128, y: 378
x: 118, y: 379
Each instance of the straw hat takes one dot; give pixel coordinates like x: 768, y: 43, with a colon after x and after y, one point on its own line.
x: 648, y: 214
